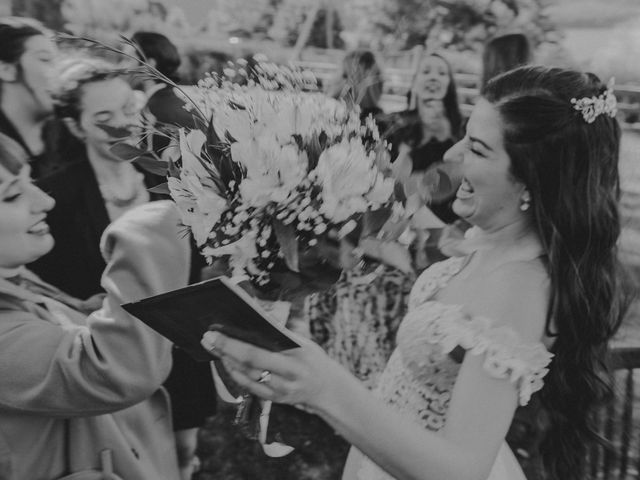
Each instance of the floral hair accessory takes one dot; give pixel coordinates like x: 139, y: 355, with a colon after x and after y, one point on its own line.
x: 605, y: 103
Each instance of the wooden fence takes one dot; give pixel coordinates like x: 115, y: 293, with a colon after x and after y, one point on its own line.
x: 397, y: 81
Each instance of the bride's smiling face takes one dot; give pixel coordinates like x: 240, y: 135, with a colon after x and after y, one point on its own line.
x: 24, y: 234
x: 489, y: 196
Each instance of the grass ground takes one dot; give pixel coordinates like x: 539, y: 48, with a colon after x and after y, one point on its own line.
x: 227, y: 455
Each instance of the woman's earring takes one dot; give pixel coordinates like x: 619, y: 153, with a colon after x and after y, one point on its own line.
x: 525, y: 201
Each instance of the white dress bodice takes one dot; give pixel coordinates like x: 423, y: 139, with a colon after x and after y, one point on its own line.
x: 419, y: 377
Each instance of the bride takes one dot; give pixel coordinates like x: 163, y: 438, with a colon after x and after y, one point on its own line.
x: 528, y: 312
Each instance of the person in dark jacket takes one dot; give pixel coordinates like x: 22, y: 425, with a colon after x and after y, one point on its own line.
x: 167, y: 109
x: 27, y: 125
x: 97, y: 186
x: 164, y: 104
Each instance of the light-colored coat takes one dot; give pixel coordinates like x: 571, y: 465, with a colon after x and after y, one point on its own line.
x: 72, y: 386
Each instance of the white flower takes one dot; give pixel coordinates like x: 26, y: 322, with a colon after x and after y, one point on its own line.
x: 190, y: 150
x: 318, y: 114
x: 241, y: 252
x: 268, y: 134
x: 200, y: 208
x: 291, y: 119
x: 348, y: 176
x: 381, y: 190
x: 270, y: 112
x: 235, y: 120
x: 273, y: 170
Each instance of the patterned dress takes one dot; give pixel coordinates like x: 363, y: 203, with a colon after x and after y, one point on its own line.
x: 419, y: 377
x: 357, y: 319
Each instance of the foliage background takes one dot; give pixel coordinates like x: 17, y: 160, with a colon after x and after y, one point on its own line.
x: 394, y: 24
x: 569, y: 32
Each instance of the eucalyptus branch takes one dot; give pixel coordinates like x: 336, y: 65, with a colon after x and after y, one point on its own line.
x: 141, y: 59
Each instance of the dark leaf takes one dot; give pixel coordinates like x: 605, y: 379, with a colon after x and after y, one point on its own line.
x: 116, y: 132
x: 212, y: 136
x: 167, y: 130
x: 373, y: 221
x: 441, y: 181
x: 127, y: 152
x: 152, y: 165
x: 215, y: 152
x: 162, y: 189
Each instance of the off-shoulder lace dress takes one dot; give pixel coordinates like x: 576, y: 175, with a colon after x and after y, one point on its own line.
x: 420, y: 375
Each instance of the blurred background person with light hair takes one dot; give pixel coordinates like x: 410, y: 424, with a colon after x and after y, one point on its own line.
x: 359, y: 82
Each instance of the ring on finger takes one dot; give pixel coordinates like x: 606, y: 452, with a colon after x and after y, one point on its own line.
x: 265, y: 377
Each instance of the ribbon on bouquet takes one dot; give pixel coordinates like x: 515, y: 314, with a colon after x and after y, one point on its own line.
x: 245, y: 404
x: 279, y: 310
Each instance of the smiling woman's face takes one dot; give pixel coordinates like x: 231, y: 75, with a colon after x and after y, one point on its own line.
x: 432, y: 80
x: 109, y: 102
x: 24, y: 234
x: 489, y: 196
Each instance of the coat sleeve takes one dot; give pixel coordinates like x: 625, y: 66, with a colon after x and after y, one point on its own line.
x: 115, y: 360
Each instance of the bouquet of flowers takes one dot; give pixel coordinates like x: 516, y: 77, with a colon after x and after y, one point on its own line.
x: 274, y: 165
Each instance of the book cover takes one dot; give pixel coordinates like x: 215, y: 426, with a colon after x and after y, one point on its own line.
x: 184, y: 315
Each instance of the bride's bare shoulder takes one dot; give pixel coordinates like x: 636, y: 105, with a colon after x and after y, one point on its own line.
x: 515, y: 294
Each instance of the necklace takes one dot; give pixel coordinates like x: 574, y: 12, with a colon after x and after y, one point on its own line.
x: 121, y: 201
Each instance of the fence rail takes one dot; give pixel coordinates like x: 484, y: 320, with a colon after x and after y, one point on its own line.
x: 397, y: 82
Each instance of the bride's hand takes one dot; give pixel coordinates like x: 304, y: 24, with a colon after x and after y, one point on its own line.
x: 304, y: 377
x: 392, y: 253
x: 402, y: 167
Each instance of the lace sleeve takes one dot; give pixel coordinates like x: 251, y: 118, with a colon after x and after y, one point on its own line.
x: 433, y: 279
x: 505, y: 354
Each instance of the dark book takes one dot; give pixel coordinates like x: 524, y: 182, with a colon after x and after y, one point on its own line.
x: 184, y: 315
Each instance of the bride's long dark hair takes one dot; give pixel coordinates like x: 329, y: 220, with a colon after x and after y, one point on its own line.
x: 570, y: 167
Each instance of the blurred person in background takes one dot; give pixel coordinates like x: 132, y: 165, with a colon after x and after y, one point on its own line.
x: 163, y: 103
x: 189, y: 384
x: 98, y: 188
x: 429, y: 126
x: 503, y: 53
x: 356, y: 320
x: 27, y: 60
x: 359, y: 82
x: 199, y: 62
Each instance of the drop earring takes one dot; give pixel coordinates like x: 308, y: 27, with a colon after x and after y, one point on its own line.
x: 526, y: 201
